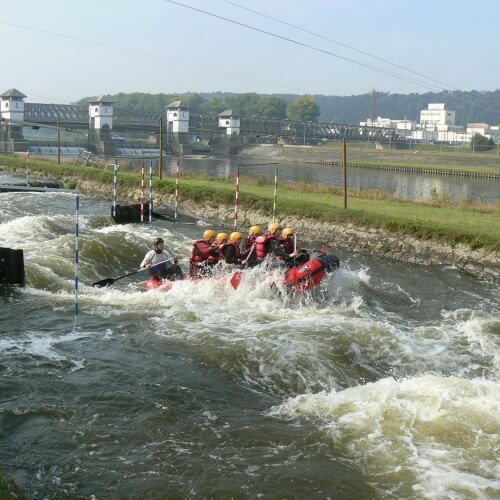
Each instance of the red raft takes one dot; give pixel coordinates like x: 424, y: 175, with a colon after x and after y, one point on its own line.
x: 297, y: 279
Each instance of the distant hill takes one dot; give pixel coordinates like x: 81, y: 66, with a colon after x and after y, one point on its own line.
x: 470, y: 107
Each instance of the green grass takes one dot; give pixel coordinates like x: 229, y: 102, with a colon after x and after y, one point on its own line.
x: 479, y: 226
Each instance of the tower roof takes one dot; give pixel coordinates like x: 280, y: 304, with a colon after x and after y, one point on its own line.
x: 103, y: 99
x: 177, y: 104
x: 13, y: 93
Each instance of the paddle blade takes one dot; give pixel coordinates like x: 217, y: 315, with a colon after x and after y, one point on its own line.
x: 103, y: 283
x: 236, y: 279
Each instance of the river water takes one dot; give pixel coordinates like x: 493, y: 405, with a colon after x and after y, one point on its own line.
x: 384, y: 385
x: 420, y: 186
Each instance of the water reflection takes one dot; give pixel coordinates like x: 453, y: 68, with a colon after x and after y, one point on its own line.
x: 398, y: 184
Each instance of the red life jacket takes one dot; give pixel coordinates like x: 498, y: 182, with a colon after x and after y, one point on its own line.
x: 200, y: 252
x: 222, y: 247
x: 250, y: 241
x: 261, y: 249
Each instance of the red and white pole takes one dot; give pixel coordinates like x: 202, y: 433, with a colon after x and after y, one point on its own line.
x: 142, y: 192
x: 236, y: 199
x: 176, y: 189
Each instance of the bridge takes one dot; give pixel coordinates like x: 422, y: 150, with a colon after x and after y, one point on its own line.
x: 176, y: 123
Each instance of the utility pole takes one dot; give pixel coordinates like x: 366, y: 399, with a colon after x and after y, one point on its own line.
x: 58, y: 141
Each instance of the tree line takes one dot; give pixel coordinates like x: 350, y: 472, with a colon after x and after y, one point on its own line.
x: 470, y: 107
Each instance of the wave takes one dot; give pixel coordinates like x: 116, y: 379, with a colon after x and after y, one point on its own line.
x: 427, y: 436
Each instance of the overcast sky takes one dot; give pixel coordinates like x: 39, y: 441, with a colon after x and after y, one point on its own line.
x: 61, y: 50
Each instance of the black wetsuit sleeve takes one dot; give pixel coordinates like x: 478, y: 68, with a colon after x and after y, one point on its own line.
x: 276, y: 249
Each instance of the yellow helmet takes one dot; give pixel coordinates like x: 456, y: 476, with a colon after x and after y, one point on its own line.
x: 255, y: 231
x: 209, y: 233
x: 221, y: 237
x: 235, y: 237
x: 288, y: 231
x: 273, y: 227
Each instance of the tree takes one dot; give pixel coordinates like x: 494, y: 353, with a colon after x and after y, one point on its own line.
x: 481, y: 143
x: 304, y: 108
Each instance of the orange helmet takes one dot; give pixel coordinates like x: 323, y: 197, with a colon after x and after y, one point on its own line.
x: 208, y: 234
x: 221, y: 237
x: 235, y: 237
x: 255, y: 231
x: 273, y: 227
x: 288, y: 232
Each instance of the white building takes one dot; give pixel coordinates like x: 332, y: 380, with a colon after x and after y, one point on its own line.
x: 436, y: 117
x: 101, y: 113
x: 12, y: 105
x: 178, y: 117
x: 230, y: 122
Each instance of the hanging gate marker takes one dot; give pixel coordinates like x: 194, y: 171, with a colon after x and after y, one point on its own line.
x: 236, y: 200
x: 150, y: 191
x: 142, y: 192
x: 115, y: 183
x: 275, y: 190
x: 76, y: 256
x: 176, y: 189
x: 28, y: 169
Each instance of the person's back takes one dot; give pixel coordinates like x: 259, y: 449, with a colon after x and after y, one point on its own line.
x: 203, y: 255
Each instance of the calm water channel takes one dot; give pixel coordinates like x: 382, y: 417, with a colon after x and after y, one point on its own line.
x: 386, y: 385
x: 400, y: 185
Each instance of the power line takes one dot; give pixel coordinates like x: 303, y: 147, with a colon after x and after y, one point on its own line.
x: 308, y: 46
x: 408, y: 79
x: 452, y: 87
x: 147, y: 54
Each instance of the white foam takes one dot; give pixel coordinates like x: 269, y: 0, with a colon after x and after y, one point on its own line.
x: 437, y: 437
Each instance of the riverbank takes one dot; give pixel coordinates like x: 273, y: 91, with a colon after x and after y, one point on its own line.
x: 465, y: 162
x: 404, y: 231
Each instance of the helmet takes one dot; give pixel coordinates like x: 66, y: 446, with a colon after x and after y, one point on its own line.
x: 288, y: 231
x: 273, y: 227
x: 235, y: 237
x: 221, y: 237
x: 158, y: 241
x: 209, y: 233
x: 255, y: 230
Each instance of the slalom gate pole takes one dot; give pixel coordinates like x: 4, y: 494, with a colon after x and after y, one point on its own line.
x: 115, y: 184
x: 28, y: 169
x: 150, y: 191
x: 76, y: 256
x: 176, y: 189
x: 142, y: 192
x: 275, y: 190
x: 236, y: 200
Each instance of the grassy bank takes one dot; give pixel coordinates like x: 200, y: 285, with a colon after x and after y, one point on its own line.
x: 479, y: 226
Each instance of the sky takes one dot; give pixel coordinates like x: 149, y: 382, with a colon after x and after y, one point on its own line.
x: 58, y: 51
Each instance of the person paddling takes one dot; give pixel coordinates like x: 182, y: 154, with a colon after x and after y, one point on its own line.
x: 204, y: 255
x: 231, y: 253
x: 172, y: 270
x: 288, y: 242
x: 269, y: 244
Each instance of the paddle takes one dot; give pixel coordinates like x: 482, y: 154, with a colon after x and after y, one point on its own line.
x: 109, y: 281
x: 236, y: 277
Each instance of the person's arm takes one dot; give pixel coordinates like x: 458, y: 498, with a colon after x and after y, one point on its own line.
x: 277, y: 250
x: 147, y: 259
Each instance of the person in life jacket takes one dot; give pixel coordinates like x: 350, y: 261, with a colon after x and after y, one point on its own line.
x: 158, y: 255
x: 289, y: 244
x: 231, y: 253
x: 268, y: 244
x: 203, y: 254
x: 253, y: 233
